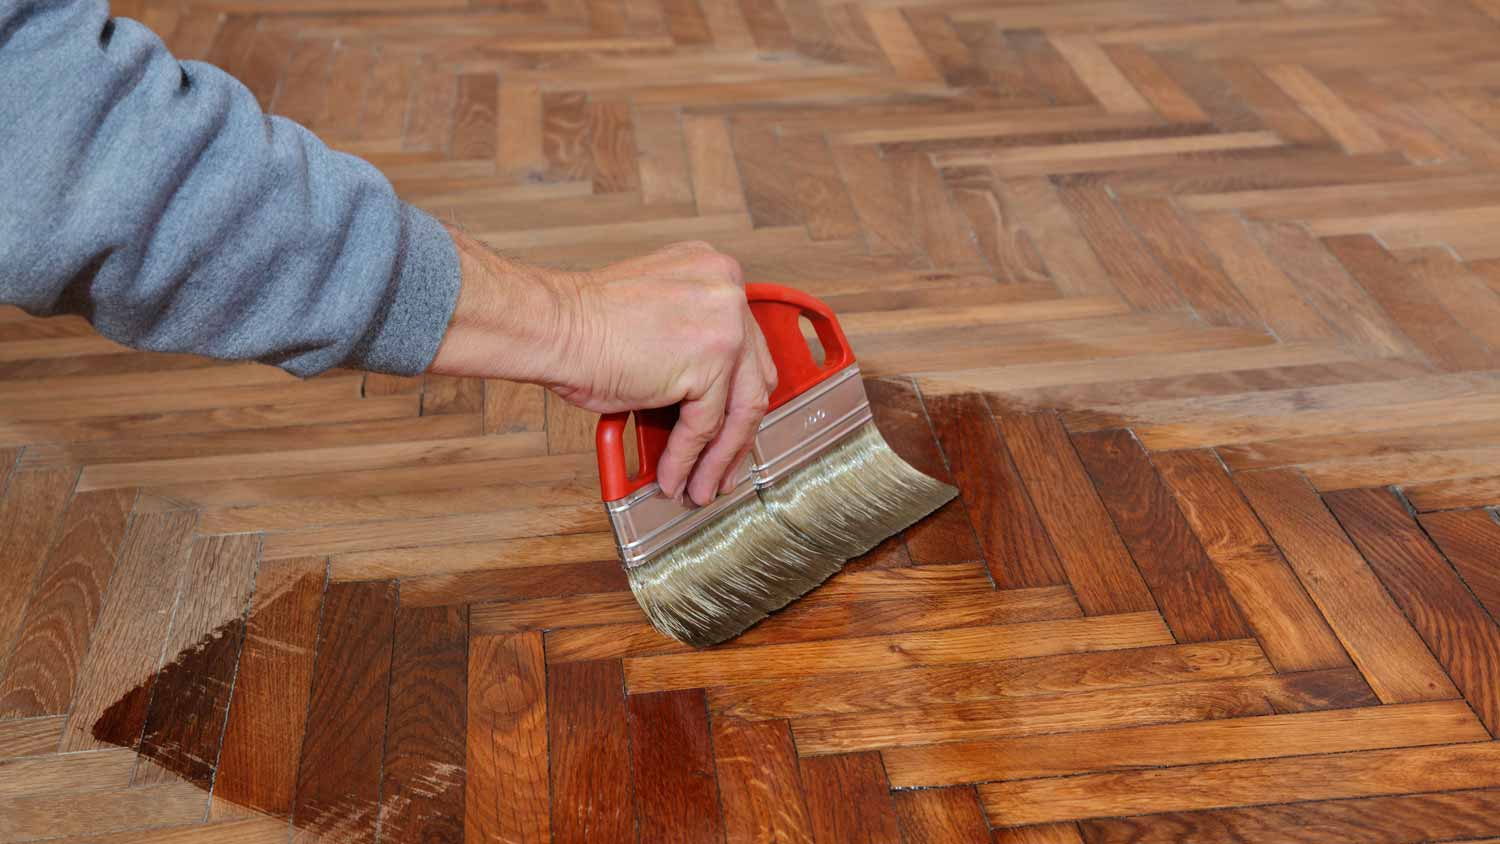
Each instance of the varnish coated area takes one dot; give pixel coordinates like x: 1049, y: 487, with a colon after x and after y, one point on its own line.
x: 1196, y: 301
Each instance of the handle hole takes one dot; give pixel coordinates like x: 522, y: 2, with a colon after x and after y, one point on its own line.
x: 632, y: 452
x: 814, y: 345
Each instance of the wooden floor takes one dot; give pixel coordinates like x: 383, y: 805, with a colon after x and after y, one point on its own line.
x: 1196, y: 301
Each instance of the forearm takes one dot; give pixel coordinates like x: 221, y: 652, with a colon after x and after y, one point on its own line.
x: 513, y: 321
x: 156, y: 199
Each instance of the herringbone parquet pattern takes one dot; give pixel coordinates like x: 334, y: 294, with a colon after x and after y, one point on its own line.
x: 1197, y: 302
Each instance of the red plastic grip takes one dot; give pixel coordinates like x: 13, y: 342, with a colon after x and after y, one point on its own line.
x: 651, y: 430
x: 777, y: 309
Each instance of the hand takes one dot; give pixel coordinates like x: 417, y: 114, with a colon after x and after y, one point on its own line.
x: 672, y: 327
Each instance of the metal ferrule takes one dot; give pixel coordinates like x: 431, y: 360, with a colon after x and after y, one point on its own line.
x: 646, y: 521
x: 803, y: 428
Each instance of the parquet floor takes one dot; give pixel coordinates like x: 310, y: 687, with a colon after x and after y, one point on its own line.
x: 1196, y: 301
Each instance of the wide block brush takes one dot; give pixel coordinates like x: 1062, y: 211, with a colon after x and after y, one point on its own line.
x: 821, y: 465
x: 701, y: 574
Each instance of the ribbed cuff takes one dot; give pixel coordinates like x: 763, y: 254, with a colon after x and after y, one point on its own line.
x: 405, y: 335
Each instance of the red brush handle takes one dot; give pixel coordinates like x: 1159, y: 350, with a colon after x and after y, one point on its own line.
x: 777, y: 309
x: 651, y: 430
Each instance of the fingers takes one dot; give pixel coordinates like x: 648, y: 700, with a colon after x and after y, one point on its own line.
x: 699, y: 421
x: 746, y: 407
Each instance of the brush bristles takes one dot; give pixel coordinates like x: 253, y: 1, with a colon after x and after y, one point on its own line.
x: 713, y: 584
x: 854, y: 495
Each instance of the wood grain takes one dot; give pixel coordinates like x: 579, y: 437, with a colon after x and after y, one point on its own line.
x: 1015, y: 543
x: 671, y: 760
x: 849, y: 800
x: 1193, y: 598
x: 29, y: 515
x: 339, y: 794
x: 1273, y: 602
x: 589, y: 748
x: 422, y: 772
x: 1468, y: 538
x: 126, y: 648
x: 1460, y: 633
x: 267, y: 717
x: 1098, y: 566
x: 54, y: 633
x: 506, y: 772
x: 760, y: 784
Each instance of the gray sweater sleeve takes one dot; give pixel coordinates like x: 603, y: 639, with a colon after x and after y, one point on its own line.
x: 156, y: 199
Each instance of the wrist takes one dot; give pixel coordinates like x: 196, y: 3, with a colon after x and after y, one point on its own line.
x: 512, y: 321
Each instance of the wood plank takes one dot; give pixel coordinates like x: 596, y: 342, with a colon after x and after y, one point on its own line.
x: 506, y: 771
x: 1455, y: 494
x: 30, y: 736
x: 51, y: 816
x: 422, y: 775
x: 1382, y: 643
x: 944, y: 536
x: 591, y: 787
x: 1468, y: 538
x: 1047, y: 675
x: 53, y: 635
x: 1422, y: 318
x: 257, y: 770
x: 1270, y: 598
x: 1012, y: 536
x: 185, y: 722
x: 126, y: 648
x: 849, y: 800
x: 1360, y: 774
x: 1190, y: 593
x: 976, y: 644
x: 338, y: 791
x: 1405, y: 818
x: 1089, y: 711
x: 939, y: 815
x: 1460, y: 633
x: 1138, y: 277
x: 760, y: 784
x: 1097, y: 564
x: 671, y: 759
x: 30, y: 514
x: 1190, y: 743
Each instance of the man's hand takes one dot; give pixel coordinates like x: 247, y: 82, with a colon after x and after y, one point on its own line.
x: 668, y: 328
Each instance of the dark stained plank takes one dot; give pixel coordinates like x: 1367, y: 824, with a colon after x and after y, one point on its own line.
x: 1458, y: 815
x: 759, y: 783
x: 941, y: 816
x: 1270, y: 598
x: 849, y: 800
x: 1047, y: 833
x: 592, y: 797
x: 422, y: 778
x: 186, y: 720
x: 1366, y: 773
x: 1192, y: 596
x: 506, y: 772
x: 30, y: 514
x: 1038, y: 676
x: 944, y: 536
x: 54, y: 633
x: 338, y: 789
x: 1015, y: 543
x: 1460, y: 633
x: 1187, y: 743
x: 257, y: 769
x: 512, y: 584
x: 671, y: 757
x: 1100, y: 569
x: 1470, y: 539
x: 1382, y: 643
x: 127, y: 642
